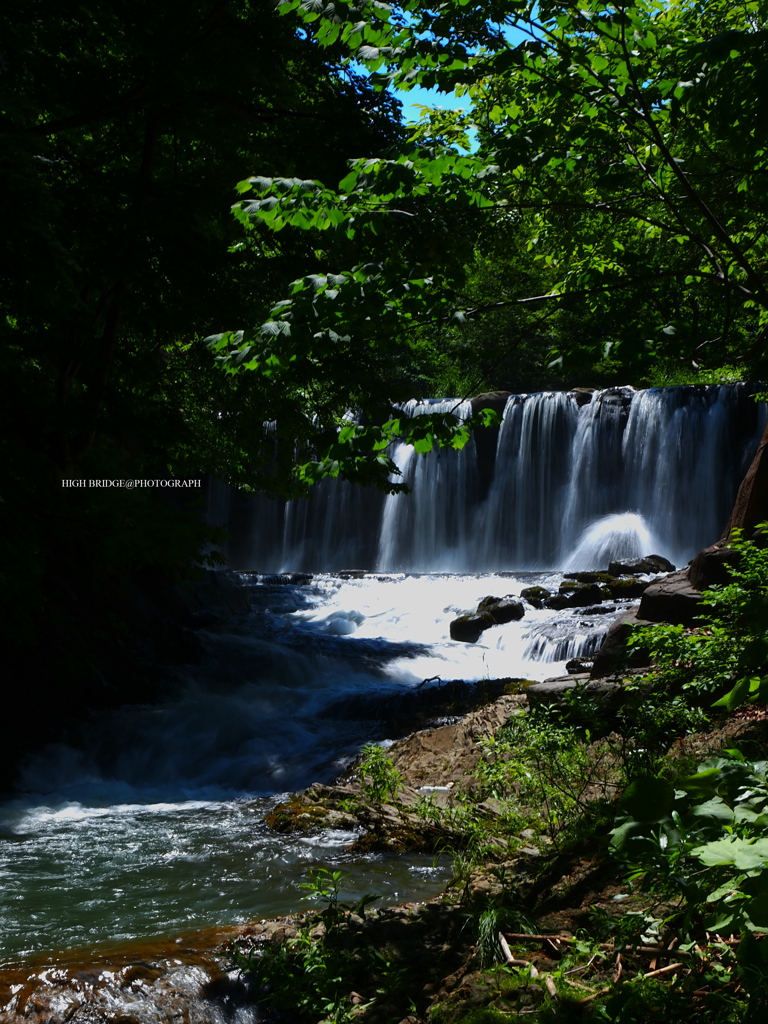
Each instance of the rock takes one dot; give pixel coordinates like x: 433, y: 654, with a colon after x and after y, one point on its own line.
x: 492, y: 611
x: 502, y: 609
x: 589, y: 577
x: 576, y: 666
x: 672, y: 599
x: 582, y: 395
x: 751, y: 504
x: 535, y: 596
x: 557, y: 602
x: 632, y: 587
x: 468, y: 628
x: 579, y: 595
x: 486, y: 439
x: 613, y: 653
x: 712, y: 565
x: 648, y: 564
x: 552, y: 690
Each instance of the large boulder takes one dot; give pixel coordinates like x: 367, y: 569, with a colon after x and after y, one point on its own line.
x: 502, y: 609
x: 712, y: 565
x: 613, y: 654
x: 492, y: 611
x: 672, y: 599
x: 648, y: 564
x: 535, y: 596
x: 469, y: 628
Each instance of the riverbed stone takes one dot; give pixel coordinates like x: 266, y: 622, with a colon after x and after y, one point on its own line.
x: 469, y: 628
x: 579, y: 595
x: 628, y: 588
x: 502, y: 609
x: 647, y: 564
x: 535, y: 596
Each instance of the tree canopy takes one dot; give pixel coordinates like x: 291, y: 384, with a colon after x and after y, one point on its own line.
x: 123, y: 129
x: 619, y: 151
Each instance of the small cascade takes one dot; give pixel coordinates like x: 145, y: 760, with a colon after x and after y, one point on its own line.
x: 578, y: 646
x: 428, y: 529
x: 575, y: 484
x: 523, y: 510
x: 621, y: 536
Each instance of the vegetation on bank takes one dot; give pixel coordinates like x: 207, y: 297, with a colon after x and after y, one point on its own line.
x: 609, y: 863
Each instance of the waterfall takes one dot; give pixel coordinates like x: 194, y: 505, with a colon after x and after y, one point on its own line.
x: 575, y: 483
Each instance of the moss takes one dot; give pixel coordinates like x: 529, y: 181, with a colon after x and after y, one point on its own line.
x: 631, y: 587
x: 294, y: 816
x: 535, y: 596
x: 590, y: 577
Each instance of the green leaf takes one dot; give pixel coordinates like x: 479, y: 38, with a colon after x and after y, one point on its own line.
x: 739, y: 853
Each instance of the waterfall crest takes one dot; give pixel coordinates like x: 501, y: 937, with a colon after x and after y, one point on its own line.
x: 574, y: 484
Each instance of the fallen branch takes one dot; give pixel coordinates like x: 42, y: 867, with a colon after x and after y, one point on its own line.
x: 663, y: 970
x: 578, y: 984
x: 512, y: 960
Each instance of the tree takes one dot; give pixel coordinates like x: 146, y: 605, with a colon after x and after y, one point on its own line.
x: 123, y: 127
x: 618, y: 139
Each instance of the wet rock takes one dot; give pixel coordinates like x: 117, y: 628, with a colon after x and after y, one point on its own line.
x: 613, y: 654
x: 589, y: 577
x: 535, y: 596
x: 627, y: 588
x: 648, y: 564
x: 468, y: 628
x: 486, y: 439
x: 492, y: 611
x: 583, y: 396
x: 579, y: 595
x: 577, y: 666
x: 502, y: 609
x: 599, y: 609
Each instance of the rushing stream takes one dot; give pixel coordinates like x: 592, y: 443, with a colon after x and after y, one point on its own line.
x: 148, y: 821
x: 151, y: 822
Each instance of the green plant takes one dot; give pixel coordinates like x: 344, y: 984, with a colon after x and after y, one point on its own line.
x: 702, y: 839
x: 325, y: 887
x: 312, y: 973
x: 378, y: 776
x: 551, y: 772
x: 726, y: 655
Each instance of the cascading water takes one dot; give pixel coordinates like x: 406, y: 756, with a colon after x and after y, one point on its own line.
x: 574, y: 484
x: 151, y: 821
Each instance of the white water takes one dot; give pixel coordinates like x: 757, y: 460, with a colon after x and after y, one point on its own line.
x: 151, y: 821
x: 671, y: 458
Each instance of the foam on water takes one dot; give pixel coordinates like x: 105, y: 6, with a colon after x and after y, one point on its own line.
x: 152, y: 820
